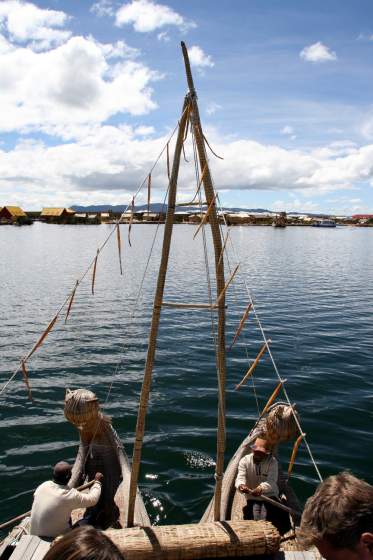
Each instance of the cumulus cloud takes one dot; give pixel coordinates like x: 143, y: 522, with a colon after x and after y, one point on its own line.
x: 103, y: 8
x: 318, y: 52
x: 73, y: 84
x: 163, y: 36
x: 107, y: 164
x: 147, y: 16
x: 28, y: 24
x: 199, y: 58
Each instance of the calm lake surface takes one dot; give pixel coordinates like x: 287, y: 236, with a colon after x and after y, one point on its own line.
x: 314, y: 294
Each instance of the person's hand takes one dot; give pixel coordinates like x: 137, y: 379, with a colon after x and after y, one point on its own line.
x: 244, y: 489
x: 99, y: 476
x: 257, y: 491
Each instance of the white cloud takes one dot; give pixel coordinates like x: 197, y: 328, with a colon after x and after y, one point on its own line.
x: 296, y: 205
x: 318, y: 52
x: 27, y: 24
x: 73, y: 84
x: 199, y: 58
x: 288, y: 130
x: 212, y: 108
x: 163, y: 36
x: 107, y: 163
x: 103, y: 8
x: 146, y: 16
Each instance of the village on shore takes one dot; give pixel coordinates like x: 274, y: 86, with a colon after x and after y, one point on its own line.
x: 14, y: 215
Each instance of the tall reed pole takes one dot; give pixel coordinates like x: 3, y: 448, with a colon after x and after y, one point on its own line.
x: 219, y: 270
x: 145, y: 389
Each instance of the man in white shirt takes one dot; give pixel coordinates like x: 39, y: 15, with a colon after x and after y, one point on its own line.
x: 257, y: 476
x: 54, y: 501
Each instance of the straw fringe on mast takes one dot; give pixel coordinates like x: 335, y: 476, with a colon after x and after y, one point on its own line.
x: 71, y: 301
x: 205, y: 217
x: 240, y: 326
x: 43, y: 337
x: 145, y: 389
x: 230, y: 279
x: 294, y: 454
x: 250, y: 371
x: 119, y: 248
x: 224, y: 245
x: 94, y: 273
x: 273, y: 397
x: 26, y: 379
x: 131, y: 220
x: 219, y: 271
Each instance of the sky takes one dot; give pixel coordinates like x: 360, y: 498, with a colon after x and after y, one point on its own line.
x: 90, y: 93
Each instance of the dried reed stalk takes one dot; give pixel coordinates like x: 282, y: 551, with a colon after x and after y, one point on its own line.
x: 240, y: 326
x: 43, y: 337
x: 131, y: 220
x: 94, y: 273
x: 230, y: 279
x: 294, y: 454
x: 119, y: 248
x: 205, y: 217
x: 251, y: 369
x: 224, y: 245
x: 71, y: 301
x: 273, y: 397
x: 26, y: 379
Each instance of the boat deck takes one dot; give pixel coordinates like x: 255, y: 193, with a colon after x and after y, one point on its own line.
x: 30, y: 547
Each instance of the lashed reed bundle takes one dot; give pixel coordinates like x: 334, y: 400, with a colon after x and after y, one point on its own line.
x: 83, y: 410
x: 280, y: 424
x: 192, y: 542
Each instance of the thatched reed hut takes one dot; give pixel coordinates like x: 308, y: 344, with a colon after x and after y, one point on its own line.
x: 12, y: 214
x: 56, y: 215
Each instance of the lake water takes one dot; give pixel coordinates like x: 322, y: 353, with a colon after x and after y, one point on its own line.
x: 313, y: 292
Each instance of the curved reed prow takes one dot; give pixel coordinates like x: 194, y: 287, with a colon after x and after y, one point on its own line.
x: 100, y: 451
x: 82, y: 409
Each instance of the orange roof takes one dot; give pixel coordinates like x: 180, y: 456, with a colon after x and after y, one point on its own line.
x: 56, y: 212
x: 15, y: 211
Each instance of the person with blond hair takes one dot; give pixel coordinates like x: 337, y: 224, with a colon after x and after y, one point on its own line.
x: 338, y: 519
x: 84, y: 543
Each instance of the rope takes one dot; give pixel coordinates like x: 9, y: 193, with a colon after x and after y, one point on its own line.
x: 103, y: 245
x: 266, y: 342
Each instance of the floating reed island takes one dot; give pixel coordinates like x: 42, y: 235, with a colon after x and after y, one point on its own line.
x: 14, y: 215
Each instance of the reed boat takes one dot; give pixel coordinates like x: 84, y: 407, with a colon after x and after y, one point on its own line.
x: 222, y: 531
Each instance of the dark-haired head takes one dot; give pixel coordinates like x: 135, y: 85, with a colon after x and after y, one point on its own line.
x: 84, y: 543
x: 62, y: 472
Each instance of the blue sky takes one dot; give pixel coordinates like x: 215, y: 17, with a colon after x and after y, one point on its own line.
x: 91, y: 90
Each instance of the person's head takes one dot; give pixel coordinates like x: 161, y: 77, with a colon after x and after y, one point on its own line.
x: 260, y: 449
x: 62, y: 472
x: 338, y: 519
x: 84, y: 543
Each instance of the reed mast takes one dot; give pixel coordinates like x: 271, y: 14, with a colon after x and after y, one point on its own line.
x: 145, y: 389
x: 219, y: 271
